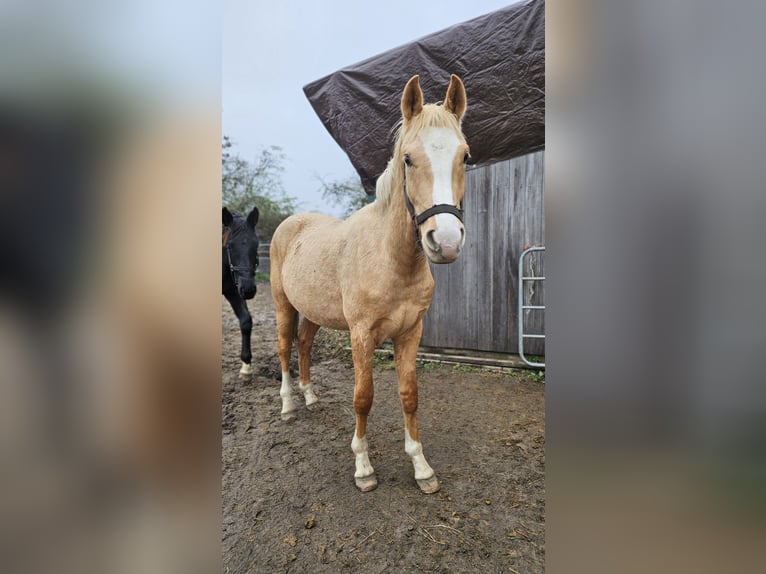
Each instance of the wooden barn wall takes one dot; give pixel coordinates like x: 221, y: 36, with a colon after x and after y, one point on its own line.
x: 475, y: 300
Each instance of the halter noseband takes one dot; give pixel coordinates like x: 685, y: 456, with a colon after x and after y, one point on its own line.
x: 417, y: 220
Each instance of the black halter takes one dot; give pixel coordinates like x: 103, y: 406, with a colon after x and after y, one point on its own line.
x: 237, y: 269
x: 417, y: 220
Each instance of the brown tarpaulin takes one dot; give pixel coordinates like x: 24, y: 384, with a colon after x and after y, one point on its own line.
x: 499, y: 56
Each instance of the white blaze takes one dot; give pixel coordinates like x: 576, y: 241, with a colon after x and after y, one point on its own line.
x: 441, y: 145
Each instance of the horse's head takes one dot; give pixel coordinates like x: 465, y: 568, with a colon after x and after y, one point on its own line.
x: 240, y: 244
x: 434, y: 153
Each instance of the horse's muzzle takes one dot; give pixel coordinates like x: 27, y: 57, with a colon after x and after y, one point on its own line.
x: 444, y: 245
x: 247, y: 291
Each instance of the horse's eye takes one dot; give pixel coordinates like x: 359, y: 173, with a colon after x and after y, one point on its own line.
x: 407, y: 161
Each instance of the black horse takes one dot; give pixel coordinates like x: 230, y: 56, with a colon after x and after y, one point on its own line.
x: 239, y: 262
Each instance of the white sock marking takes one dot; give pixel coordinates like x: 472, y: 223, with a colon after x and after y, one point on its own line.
x: 246, y: 369
x: 308, y: 392
x: 286, y: 393
x: 363, y: 466
x: 415, y: 450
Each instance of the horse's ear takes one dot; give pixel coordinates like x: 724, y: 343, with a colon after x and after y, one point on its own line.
x: 227, y: 217
x: 252, y: 218
x: 412, y: 98
x: 455, y: 101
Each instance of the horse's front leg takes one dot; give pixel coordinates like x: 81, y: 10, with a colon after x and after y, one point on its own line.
x: 362, y: 346
x: 405, y: 352
x: 239, y: 306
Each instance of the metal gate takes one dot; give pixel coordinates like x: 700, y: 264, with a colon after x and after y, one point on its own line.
x: 524, y: 307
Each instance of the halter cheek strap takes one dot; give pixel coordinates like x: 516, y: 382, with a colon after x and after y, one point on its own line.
x: 417, y: 220
x: 237, y: 269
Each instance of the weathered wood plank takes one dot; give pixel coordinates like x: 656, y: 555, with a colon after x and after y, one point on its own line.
x: 533, y: 222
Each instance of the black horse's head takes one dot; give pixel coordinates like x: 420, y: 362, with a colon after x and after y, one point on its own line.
x: 240, y: 251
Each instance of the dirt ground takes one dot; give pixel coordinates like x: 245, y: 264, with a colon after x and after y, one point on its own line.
x: 289, y: 500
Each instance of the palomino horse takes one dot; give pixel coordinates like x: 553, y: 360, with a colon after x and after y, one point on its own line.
x: 239, y: 260
x: 369, y: 274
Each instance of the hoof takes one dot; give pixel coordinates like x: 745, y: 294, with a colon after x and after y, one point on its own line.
x: 367, y: 483
x: 246, y: 369
x: 309, y: 394
x: 287, y: 417
x: 310, y: 401
x: 428, y: 485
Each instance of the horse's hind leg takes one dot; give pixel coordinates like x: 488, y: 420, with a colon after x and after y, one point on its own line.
x: 306, y: 332
x: 405, y: 352
x: 286, y: 318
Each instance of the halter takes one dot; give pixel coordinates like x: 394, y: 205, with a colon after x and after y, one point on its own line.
x: 417, y: 220
x: 237, y: 269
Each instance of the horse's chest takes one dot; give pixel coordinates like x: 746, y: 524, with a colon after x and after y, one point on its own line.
x: 389, y: 312
x: 404, y: 317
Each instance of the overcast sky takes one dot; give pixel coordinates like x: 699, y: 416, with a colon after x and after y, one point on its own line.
x: 272, y: 49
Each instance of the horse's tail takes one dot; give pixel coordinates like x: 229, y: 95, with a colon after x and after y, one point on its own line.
x: 296, y: 322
